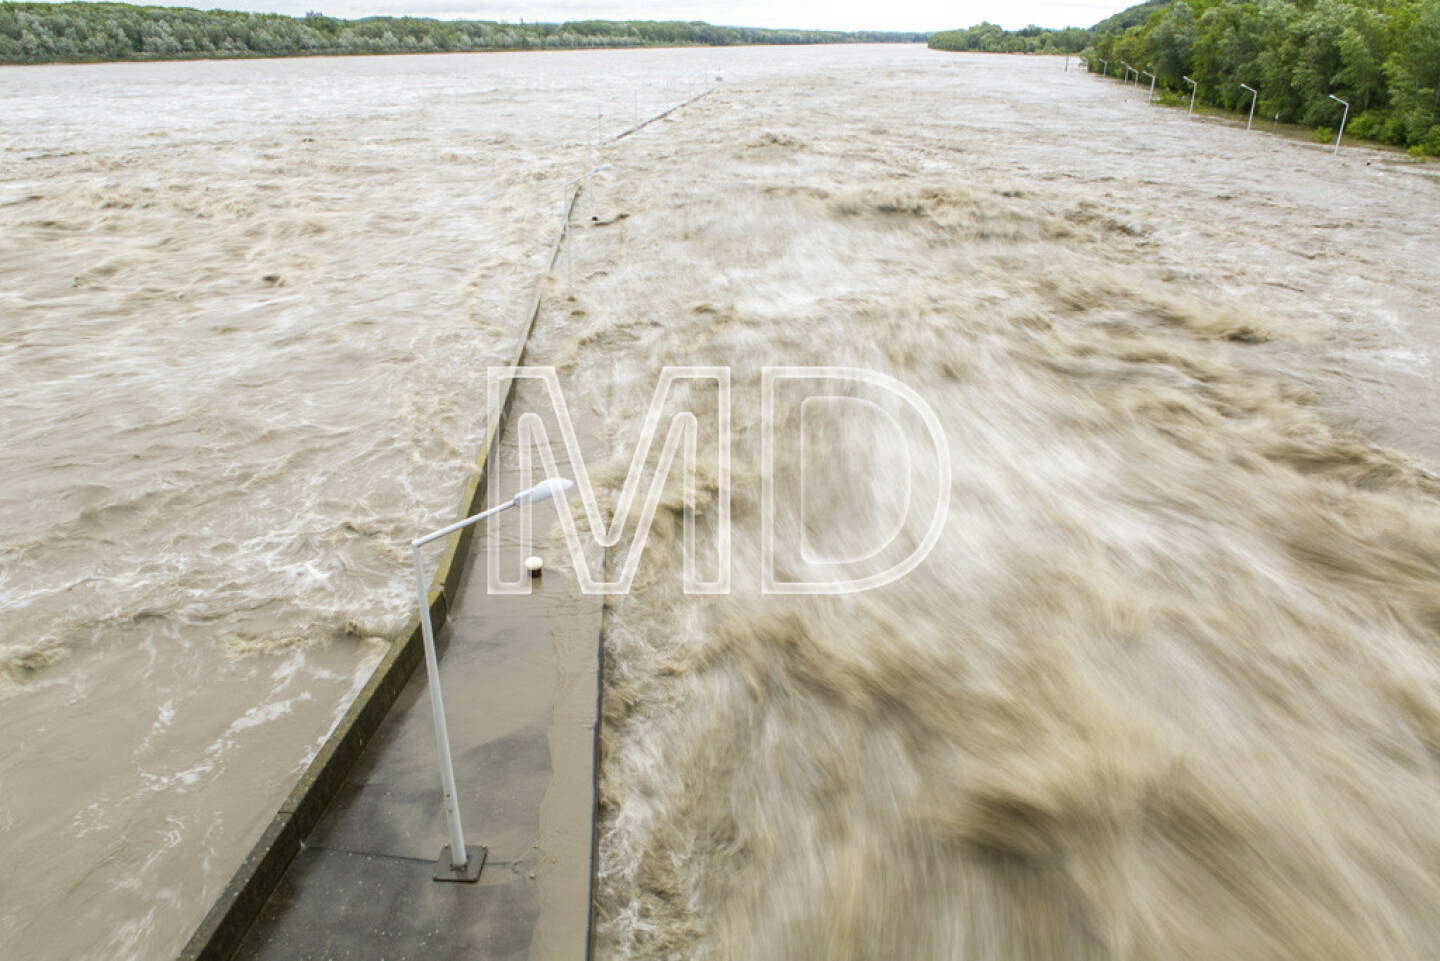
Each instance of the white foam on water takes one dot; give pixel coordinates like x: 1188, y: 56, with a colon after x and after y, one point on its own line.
x: 242, y: 354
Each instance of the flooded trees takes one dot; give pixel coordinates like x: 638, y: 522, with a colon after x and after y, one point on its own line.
x: 1384, y: 57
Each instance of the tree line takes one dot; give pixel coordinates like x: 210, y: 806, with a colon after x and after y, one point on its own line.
x: 58, y: 32
x: 1380, y: 56
x: 989, y: 37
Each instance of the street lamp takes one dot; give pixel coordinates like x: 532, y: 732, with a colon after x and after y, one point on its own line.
x: 1255, y: 95
x: 1105, y: 66
x: 1342, y: 123
x: 1147, y: 73
x: 1193, y: 88
x: 458, y: 862
x: 1128, y: 68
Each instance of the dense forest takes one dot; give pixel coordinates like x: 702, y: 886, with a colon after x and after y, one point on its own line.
x: 1381, y: 56
x: 992, y: 38
x: 46, y: 32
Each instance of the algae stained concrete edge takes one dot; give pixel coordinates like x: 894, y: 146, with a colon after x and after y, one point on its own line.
x: 235, y: 910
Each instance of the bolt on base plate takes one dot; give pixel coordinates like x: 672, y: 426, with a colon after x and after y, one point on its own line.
x: 469, y: 872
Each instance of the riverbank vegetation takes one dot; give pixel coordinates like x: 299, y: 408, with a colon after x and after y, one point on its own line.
x: 993, y: 38
x: 58, y: 32
x: 1380, y: 56
x: 1383, y: 58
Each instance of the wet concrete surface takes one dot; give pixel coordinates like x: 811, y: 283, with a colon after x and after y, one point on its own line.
x: 520, y: 676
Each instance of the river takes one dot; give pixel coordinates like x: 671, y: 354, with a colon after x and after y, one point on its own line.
x: 1165, y: 686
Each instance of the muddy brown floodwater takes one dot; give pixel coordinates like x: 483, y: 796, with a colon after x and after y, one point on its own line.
x: 1166, y: 686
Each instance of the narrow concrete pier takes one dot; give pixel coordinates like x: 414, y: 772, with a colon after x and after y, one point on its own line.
x: 520, y: 675
x: 345, y: 869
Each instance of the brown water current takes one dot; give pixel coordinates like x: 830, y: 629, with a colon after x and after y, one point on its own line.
x: 245, y: 313
x: 1166, y: 686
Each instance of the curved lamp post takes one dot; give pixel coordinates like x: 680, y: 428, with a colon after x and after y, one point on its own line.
x: 1193, y: 88
x: 1147, y: 73
x: 458, y: 862
x: 1342, y: 123
x: 1254, y: 96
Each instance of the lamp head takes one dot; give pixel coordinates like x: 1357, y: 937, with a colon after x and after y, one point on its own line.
x: 543, y: 491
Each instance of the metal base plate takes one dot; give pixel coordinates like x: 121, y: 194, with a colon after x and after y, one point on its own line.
x: 468, y: 873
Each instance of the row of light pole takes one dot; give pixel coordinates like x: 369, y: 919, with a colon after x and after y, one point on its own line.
x: 457, y: 861
x: 672, y: 89
x: 1195, y: 88
x: 596, y: 154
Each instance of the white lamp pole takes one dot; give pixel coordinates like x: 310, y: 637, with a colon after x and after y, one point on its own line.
x: 457, y: 862
x: 1128, y: 68
x: 1254, y: 96
x: 1147, y: 73
x: 1193, y: 88
x: 1342, y: 123
x: 1105, y: 66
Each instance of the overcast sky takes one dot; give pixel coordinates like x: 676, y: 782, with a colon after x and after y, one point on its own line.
x: 828, y: 14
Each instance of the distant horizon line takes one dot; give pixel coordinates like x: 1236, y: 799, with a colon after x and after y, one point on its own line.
x: 927, y: 31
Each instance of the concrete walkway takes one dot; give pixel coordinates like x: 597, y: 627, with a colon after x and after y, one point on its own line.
x: 520, y: 676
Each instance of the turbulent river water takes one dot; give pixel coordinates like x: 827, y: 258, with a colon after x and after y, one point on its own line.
x: 1166, y: 686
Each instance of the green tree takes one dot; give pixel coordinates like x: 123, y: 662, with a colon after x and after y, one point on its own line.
x: 1172, y: 41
